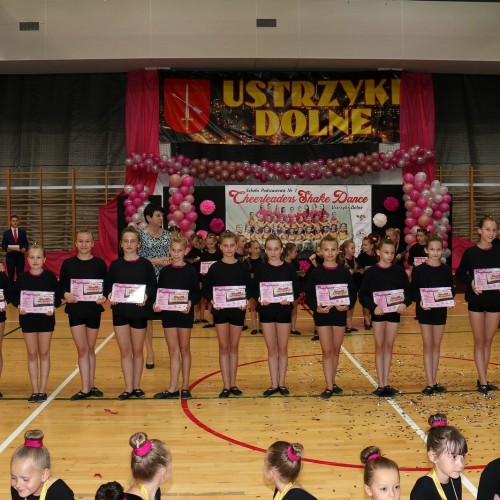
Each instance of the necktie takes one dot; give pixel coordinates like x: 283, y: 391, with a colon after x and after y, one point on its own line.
x: 15, y: 235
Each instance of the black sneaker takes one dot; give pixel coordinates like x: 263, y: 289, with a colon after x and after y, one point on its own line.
x: 79, y: 395
x: 284, y: 390
x: 138, y: 393
x: 390, y: 391
x: 208, y: 325
x: 270, y: 391
x: 196, y: 321
x: 348, y: 331
x: 186, y: 394
x: 203, y: 320
x: 428, y: 391
x: 439, y: 388
x: 42, y: 396
x: 315, y: 337
x: 235, y: 391
x: 353, y: 329
x: 224, y: 394
x: 254, y: 332
x: 337, y: 390
x: 166, y: 395
x: 483, y: 389
x: 378, y: 392
x: 245, y: 327
x: 326, y: 394
x: 95, y: 392
x: 124, y: 395
x: 368, y: 326
x: 296, y: 332
x: 491, y: 387
x: 33, y: 398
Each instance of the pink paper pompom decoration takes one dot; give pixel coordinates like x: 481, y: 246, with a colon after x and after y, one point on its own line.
x: 304, y: 265
x: 217, y: 225
x: 202, y: 233
x: 391, y: 204
x: 207, y: 207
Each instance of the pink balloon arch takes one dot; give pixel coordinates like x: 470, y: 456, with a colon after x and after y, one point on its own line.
x: 181, y: 208
x: 427, y: 206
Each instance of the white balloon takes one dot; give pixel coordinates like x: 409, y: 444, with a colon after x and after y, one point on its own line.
x: 140, y: 210
x: 444, y: 221
x: 446, y: 253
x: 435, y: 183
x: 128, y: 188
x: 421, y: 176
x: 438, y: 198
x: 443, y: 260
x: 142, y: 225
x: 172, y: 190
x: 444, y: 189
x: 145, y: 189
x: 406, y: 197
x: 426, y: 193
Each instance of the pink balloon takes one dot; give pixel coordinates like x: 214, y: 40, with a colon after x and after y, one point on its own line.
x: 409, y: 239
x: 419, y: 185
x: 406, y: 231
x: 409, y: 204
x: 437, y: 214
x: 177, y: 216
x: 177, y: 198
x: 139, y: 187
x: 133, y: 194
x: 407, y: 188
x: 414, y: 194
x: 191, y: 216
x: 410, y: 222
x: 446, y: 198
x: 137, y: 202
x: 189, y: 198
x: 143, y: 195
x: 416, y: 212
x: 422, y: 202
x: 175, y: 180
x: 444, y: 207
x: 184, y: 190
x: 188, y: 181
x: 173, y: 207
x: 127, y: 202
x: 409, y: 178
x: 184, y: 225
x: 169, y: 217
x: 128, y: 219
x: 445, y: 243
x: 130, y: 209
x: 423, y: 220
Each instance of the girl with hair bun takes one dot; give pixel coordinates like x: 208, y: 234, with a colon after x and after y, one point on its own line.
x: 381, y: 475
x: 282, y: 465
x: 151, y: 464
x: 446, y: 449
x: 30, y: 476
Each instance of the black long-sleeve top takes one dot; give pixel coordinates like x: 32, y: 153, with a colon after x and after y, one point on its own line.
x: 223, y: 274
x: 365, y: 260
x: 427, y: 276
x: 416, y: 250
x: 5, y: 286
x: 323, y: 275
x: 44, y: 282
x: 268, y: 273
x: 181, y: 278
x: 477, y: 258
x: 138, y: 272
x: 75, y: 268
x: 379, y: 279
x: 425, y: 489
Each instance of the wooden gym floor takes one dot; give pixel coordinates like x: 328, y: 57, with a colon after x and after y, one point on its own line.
x: 218, y: 445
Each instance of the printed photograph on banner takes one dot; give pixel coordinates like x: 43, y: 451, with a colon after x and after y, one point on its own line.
x: 300, y: 214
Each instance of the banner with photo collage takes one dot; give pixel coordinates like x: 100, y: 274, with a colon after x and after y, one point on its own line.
x: 300, y: 214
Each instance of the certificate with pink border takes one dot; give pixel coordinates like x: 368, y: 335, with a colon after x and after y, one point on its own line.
x: 417, y: 261
x: 437, y: 297
x: 172, y: 299
x: 332, y: 295
x: 205, y: 266
x: 275, y: 292
x: 87, y: 290
x: 128, y: 293
x: 487, y: 279
x: 389, y: 300
x: 37, y: 302
x: 226, y: 297
x: 2, y: 299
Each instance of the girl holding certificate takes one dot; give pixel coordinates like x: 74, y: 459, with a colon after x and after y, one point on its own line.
x: 178, y: 293
x: 330, y: 293
x: 81, y: 282
x: 37, y: 328
x: 483, y: 297
x: 367, y: 258
x: 4, y: 300
x: 211, y: 253
x: 432, y: 274
x: 228, y: 283
x: 276, y: 289
x: 131, y: 289
x: 385, y: 291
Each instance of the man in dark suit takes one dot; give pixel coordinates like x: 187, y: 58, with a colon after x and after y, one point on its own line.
x: 15, y: 243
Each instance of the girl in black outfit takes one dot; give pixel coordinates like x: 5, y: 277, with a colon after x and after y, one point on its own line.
x: 5, y: 298
x: 446, y: 449
x: 84, y: 316
x: 130, y: 320
x: 275, y: 318
x: 253, y: 260
x: 282, y: 465
x: 211, y: 253
x: 431, y: 274
x: 483, y: 305
x: 418, y: 249
x: 228, y: 321
x: 177, y: 325
x: 37, y: 327
x: 367, y: 258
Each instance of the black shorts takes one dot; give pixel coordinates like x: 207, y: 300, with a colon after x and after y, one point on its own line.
x: 390, y: 317
x: 3, y: 317
x: 331, y: 318
x: 93, y: 322
x: 491, y: 308
x: 176, y: 319
x: 137, y: 323
x: 435, y: 316
x: 232, y: 316
x: 275, y: 318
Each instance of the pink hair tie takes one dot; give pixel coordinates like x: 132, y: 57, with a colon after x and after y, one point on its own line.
x: 143, y: 450
x: 33, y: 443
x: 291, y: 456
x: 373, y: 456
x: 439, y: 423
